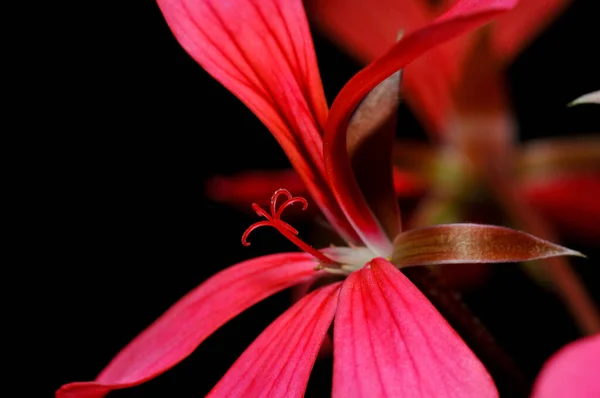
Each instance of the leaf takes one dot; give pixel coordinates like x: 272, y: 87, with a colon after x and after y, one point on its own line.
x: 471, y: 243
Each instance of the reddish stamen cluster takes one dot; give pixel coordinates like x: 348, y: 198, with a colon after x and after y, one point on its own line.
x: 274, y: 220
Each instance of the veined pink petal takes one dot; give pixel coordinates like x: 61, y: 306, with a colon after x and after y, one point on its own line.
x: 279, y: 361
x: 178, y: 332
x: 389, y: 341
x: 571, y: 201
x: 462, y: 17
x: 515, y: 30
x: 571, y: 372
x: 262, y: 52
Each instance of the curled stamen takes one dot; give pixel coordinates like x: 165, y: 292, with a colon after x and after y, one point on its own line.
x: 260, y: 212
x: 252, y: 228
x: 276, y: 196
x: 274, y: 220
x: 290, y: 202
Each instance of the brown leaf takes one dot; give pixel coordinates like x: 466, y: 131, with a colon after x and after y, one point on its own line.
x: 471, y: 243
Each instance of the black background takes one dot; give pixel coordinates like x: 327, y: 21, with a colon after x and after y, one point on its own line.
x: 122, y: 227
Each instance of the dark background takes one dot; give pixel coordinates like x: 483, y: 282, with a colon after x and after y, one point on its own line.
x: 122, y: 226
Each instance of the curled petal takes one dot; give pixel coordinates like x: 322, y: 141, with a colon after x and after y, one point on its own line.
x: 571, y: 372
x: 262, y: 52
x: 471, y: 243
x: 389, y: 341
x: 178, y: 332
x: 279, y: 361
x: 462, y: 17
x: 370, y: 140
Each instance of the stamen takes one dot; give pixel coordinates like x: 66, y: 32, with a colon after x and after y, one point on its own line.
x: 274, y: 220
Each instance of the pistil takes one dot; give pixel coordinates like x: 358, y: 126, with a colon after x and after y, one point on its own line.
x: 274, y: 220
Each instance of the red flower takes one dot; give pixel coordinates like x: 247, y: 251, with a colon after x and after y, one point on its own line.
x: 458, y: 92
x: 571, y: 372
x: 388, y: 339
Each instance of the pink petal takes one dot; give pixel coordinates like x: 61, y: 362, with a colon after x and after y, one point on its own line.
x: 279, y: 361
x: 571, y: 201
x: 262, y: 52
x: 462, y: 17
x: 389, y: 341
x: 178, y: 332
x: 571, y: 372
x: 514, y: 31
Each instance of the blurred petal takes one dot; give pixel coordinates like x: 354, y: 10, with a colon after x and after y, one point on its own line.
x: 571, y: 201
x: 516, y: 30
x: 408, y: 184
x: 367, y: 30
x: 462, y: 17
x: 241, y: 190
x: 471, y: 243
x: 279, y: 361
x: 591, y: 98
x: 571, y: 372
x: 262, y: 52
x: 551, y: 157
x: 483, y: 126
x: 415, y: 156
x: 371, y: 132
x: 257, y: 186
x: 178, y: 332
x: 389, y: 341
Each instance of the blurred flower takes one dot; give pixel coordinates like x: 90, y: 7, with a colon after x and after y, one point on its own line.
x: 571, y: 372
x: 388, y: 339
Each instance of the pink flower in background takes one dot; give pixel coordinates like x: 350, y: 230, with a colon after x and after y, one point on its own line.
x: 388, y: 338
x: 571, y: 372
